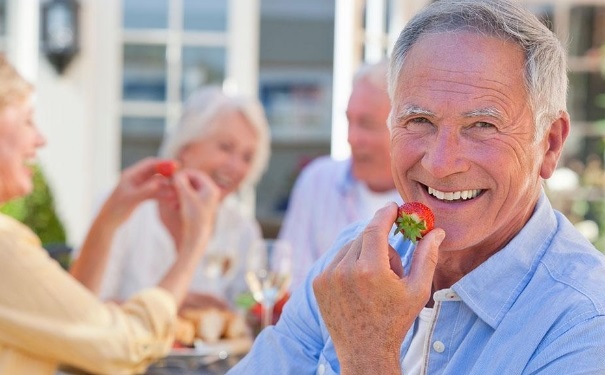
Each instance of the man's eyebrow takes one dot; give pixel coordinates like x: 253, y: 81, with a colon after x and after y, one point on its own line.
x: 484, y: 112
x: 413, y: 110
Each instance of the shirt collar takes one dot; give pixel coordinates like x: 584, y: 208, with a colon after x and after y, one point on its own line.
x: 492, y: 288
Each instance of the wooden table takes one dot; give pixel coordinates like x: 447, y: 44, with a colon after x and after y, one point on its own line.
x: 192, y: 366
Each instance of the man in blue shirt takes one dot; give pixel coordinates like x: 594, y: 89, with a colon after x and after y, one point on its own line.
x: 504, y: 284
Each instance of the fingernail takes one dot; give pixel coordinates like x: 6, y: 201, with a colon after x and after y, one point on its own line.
x: 439, y: 236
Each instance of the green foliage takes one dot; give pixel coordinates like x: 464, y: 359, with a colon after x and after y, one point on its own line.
x: 37, y: 211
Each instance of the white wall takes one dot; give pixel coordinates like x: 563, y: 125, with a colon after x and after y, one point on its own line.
x: 78, y: 115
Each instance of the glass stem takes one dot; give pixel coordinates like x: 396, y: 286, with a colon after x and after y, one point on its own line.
x: 267, y: 314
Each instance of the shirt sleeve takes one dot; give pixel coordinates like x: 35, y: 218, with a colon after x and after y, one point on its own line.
x: 113, y: 277
x: 47, y: 314
x: 575, y: 352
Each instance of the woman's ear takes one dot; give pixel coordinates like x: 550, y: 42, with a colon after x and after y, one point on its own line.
x: 555, y: 139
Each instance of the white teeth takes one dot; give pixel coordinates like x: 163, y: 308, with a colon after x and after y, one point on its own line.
x: 223, y: 180
x: 437, y: 193
x: 450, y: 196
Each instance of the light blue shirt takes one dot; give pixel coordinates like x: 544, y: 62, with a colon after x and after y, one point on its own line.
x: 325, y: 199
x: 535, y: 307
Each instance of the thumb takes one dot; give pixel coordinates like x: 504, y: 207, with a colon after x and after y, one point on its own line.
x: 424, y: 260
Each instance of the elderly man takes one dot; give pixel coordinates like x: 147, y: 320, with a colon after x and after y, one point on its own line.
x: 504, y: 284
x: 331, y: 194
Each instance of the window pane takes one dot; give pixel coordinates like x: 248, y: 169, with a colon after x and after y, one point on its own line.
x: 207, y: 15
x: 587, y: 30
x: 587, y: 96
x: 144, y: 76
x: 2, y: 18
x: 141, y: 137
x: 201, y: 66
x: 145, y: 14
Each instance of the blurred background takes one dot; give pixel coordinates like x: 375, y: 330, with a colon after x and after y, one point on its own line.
x: 111, y: 76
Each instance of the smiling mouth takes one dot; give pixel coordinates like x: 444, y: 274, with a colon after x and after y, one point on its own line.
x: 452, y: 196
x: 223, y: 181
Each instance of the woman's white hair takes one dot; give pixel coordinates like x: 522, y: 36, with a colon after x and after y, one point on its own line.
x: 199, y: 111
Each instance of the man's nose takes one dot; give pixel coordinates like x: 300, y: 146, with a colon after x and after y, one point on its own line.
x: 444, y: 155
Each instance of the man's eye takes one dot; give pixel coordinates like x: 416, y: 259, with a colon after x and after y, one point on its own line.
x: 418, y: 123
x: 419, y: 120
x: 484, y: 125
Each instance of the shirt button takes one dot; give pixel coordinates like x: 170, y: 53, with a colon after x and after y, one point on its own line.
x: 321, y: 369
x: 438, y: 346
x: 451, y: 295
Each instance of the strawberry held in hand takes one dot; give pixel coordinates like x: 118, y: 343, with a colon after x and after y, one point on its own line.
x: 166, y: 167
x: 414, y: 220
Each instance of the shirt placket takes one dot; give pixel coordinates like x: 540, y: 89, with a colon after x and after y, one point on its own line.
x: 436, y: 348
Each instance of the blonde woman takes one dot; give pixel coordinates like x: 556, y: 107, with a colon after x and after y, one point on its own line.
x: 46, y: 317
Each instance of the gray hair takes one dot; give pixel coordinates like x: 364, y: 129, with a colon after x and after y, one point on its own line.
x: 545, y: 67
x: 199, y: 111
x: 375, y: 73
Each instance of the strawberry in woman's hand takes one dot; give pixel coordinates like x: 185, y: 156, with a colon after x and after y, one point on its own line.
x: 414, y: 220
x: 166, y: 167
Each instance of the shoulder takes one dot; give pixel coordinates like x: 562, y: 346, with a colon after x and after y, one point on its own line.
x: 14, y: 232
x: 20, y: 248
x: 323, y: 174
x: 325, y: 166
x: 577, y: 266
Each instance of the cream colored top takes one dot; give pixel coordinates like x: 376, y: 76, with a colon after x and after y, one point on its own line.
x: 47, y: 318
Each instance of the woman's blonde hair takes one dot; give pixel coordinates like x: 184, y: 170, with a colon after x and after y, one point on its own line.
x: 13, y: 87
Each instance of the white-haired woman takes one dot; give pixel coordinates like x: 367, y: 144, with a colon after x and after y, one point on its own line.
x: 227, y: 138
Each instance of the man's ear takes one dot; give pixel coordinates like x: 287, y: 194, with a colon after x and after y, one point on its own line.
x: 555, y: 139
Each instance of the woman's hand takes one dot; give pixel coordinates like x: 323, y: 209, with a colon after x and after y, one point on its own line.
x: 137, y: 183
x: 198, y: 201
x: 198, y: 198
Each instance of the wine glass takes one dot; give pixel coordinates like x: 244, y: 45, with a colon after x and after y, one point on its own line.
x: 268, y: 274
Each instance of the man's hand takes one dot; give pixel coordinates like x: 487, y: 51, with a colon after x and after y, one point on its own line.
x: 367, y: 303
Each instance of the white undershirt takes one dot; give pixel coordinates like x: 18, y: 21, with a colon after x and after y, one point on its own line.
x: 372, y: 201
x: 412, y: 361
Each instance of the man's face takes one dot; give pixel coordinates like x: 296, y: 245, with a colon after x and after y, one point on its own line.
x: 368, y: 136
x: 463, y: 138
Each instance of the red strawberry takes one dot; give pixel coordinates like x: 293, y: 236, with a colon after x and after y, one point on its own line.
x: 414, y: 220
x: 166, y: 167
